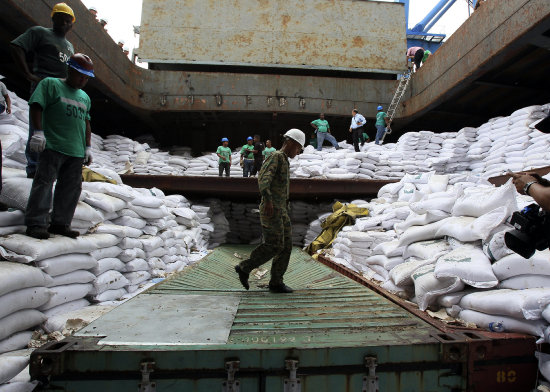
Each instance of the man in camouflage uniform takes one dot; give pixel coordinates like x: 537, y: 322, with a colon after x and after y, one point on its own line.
x: 273, y: 181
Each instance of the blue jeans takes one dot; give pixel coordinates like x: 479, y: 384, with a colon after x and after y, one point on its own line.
x: 322, y: 136
x: 248, y: 167
x: 68, y: 172
x: 380, y: 131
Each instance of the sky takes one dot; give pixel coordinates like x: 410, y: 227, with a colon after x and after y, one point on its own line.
x: 123, y: 14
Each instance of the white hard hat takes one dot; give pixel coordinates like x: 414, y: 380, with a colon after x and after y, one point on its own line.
x: 121, y: 41
x: 296, y: 135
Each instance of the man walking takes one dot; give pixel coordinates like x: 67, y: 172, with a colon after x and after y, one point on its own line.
x: 323, y: 132
x: 356, y: 128
x: 258, y: 154
x: 382, y: 121
x: 247, y: 157
x: 224, y: 155
x: 273, y: 181
x: 50, y: 51
x: 60, y: 112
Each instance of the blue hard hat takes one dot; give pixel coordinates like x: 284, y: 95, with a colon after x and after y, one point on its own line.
x: 379, y: 107
x: 224, y: 139
x: 249, y: 138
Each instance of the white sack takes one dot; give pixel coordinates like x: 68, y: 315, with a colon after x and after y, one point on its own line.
x: 514, y: 265
x: 64, y: 264
x: 497, y: 323
x: 28, y: 298
x: 66, y: 293
x: 15, y: 276
x: 427, y: 287
x: 20, y: 321
x: 479, y: 201
x: 469, y: 264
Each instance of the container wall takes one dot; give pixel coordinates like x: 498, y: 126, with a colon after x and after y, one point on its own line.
x: 325, y: 34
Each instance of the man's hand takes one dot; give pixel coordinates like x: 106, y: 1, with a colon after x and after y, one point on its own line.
x: 268, y: 209
x: 520, y: 180
x: 38, y: 141
x: 8, y: 109
x: 350, y: 130
x: 88, y: 159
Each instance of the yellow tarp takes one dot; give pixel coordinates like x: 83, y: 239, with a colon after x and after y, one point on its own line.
x: 342, y: 215
x: 91, y: 176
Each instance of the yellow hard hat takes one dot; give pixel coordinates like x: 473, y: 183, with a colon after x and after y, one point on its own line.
x: 64, y: 9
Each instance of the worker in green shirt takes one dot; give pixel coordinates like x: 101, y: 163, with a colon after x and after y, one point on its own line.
x: 60, y: 112
x: 268, y: 150
x: 49, y: 50
x: 364, y: 138
x: 313, y: 140
x: 382, y: 121
x: 427, y: 54
x: 247, y: 157
x: 323, y: 132
x: 224, y: 154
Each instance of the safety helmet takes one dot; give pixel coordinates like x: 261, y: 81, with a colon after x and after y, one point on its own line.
x: 297, y: 136
x: 92, y: 8
x: 249, y: 138
x: 121, y: 41
x: 379, y: 107
x: 82, y: 64
x: 224, y: 139
x: 63, y: 8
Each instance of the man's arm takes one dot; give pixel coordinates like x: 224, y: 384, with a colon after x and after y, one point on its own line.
x: 539, y: 192
x: 8, y: 103
x: 36, y: 117
x: 264, y: 183
x: 20, y: 59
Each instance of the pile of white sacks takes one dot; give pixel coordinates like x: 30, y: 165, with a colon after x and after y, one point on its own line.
x: 502, y: 143
x: 438, y: 240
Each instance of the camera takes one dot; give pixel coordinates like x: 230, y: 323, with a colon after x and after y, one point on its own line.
x: 532, y: 231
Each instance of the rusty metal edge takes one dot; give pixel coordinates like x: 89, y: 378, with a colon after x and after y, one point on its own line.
x: 441, y: 326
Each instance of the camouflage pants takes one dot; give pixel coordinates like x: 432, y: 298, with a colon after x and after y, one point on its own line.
x: 277, y: 244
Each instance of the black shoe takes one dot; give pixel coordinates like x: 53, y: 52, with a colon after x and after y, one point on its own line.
x: 63, y: 230
x: 3, y: 207
x: 280, y: 288
x: 38, y: 232
x: 243, y: 277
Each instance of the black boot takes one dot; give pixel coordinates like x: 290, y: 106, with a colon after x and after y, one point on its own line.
x: 63, y: 230
x: 243, y: 277
x: 280, y: 288
x: 38, y: 232
x: 3, y: 207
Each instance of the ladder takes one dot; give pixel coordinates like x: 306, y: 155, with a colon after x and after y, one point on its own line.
x: 399, y: 92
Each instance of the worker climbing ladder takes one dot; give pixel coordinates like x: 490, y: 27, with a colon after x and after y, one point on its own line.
x: 401, y: 88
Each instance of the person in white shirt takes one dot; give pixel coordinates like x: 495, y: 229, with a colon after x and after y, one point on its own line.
x: 356, y: 128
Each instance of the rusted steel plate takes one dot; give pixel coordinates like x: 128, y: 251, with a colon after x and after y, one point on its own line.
x: 492, y: 35
x: 248, y: 187
x: 345, y: 34
x: 494, y: 361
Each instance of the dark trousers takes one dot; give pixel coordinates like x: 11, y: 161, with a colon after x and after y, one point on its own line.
x: 257, y: 165
x: 32, y: 157
x: 357, y: 135
x: 276, y: 244
x: 418, y: 56
x: 67, y: 170
x: 224, y: 166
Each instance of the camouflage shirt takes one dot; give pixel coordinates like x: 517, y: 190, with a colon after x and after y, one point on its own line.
x: 274, y: 179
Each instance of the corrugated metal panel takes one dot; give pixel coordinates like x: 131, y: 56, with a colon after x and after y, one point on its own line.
x: 345, y: 34
x: 326, y: 307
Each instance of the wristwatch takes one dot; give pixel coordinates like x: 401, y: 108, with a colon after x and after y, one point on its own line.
x: 528, y: 185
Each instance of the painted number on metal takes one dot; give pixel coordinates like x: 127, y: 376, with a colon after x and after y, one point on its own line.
x: 506, y: 377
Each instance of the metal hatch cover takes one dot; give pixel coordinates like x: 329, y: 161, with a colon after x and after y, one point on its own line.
x: 161, y: 319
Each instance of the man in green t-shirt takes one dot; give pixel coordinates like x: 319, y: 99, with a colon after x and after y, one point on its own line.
x: 224, y: 155
x: 382, y: 121
x: 60, y: 112
x: 323, y: 132
x: 313, y: 140
x: 268, y: 150
x: 247, y: 157
x: 50, y: 51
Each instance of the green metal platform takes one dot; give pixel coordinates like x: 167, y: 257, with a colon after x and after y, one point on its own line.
x: 197, y: 322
